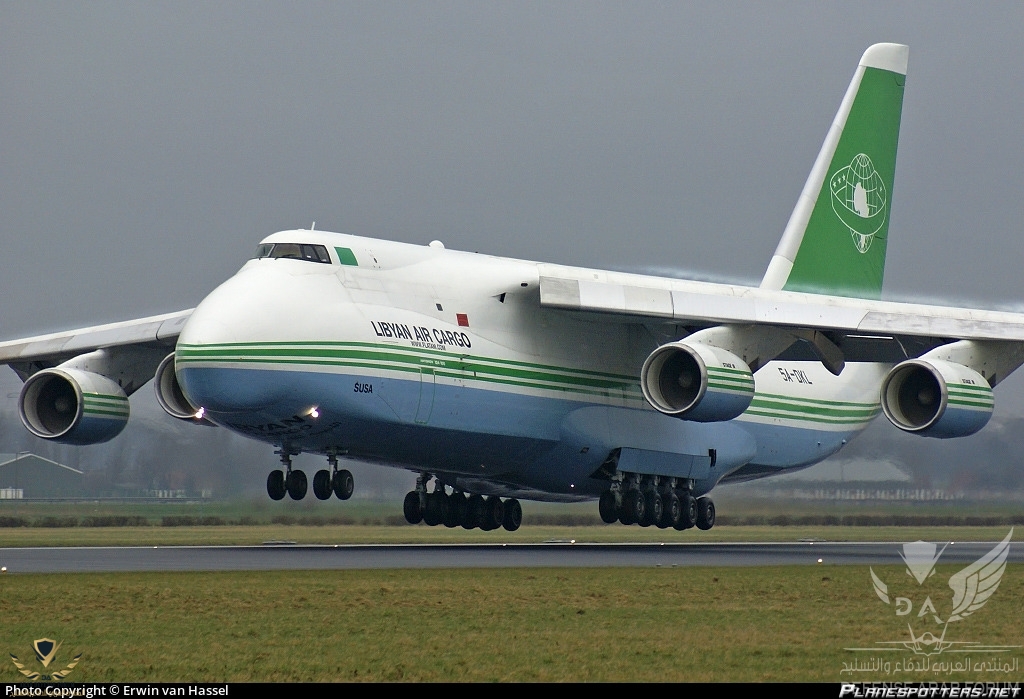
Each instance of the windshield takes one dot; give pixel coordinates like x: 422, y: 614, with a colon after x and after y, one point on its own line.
x: 293, y: 251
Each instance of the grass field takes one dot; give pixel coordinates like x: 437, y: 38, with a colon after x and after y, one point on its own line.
x: 641, y: 624
x: 253, y: 523
x: 706, y: 624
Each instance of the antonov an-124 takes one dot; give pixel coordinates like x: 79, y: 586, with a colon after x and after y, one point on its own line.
x: 497, y: 380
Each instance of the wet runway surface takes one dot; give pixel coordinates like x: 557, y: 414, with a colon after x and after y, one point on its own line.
x: 547, y: 555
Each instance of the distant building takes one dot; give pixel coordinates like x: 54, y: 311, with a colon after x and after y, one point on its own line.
x: 28, y: 476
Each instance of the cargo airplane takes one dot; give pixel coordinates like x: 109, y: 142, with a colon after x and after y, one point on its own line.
x: 497, y: 380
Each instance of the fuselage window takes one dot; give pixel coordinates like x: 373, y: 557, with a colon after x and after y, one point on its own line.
x: 294, y: 251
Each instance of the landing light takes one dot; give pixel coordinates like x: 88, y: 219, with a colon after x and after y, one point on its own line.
x: 199, y: 413
x: 314, y: 413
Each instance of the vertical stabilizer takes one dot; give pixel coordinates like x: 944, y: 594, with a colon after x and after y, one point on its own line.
x: 836, y: 239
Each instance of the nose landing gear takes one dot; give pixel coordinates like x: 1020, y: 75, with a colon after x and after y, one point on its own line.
x: 275, y: 485
x: 296, y: 484
x: 292, y: 482
x: 341, y: 481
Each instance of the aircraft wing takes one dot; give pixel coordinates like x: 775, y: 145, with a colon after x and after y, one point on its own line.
x: 28, y: 354
x: 704, y: 303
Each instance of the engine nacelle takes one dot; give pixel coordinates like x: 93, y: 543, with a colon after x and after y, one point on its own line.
x: 169, y: 394
x: 697, y: 382
x: 936, y: 398
x: 73, y: 406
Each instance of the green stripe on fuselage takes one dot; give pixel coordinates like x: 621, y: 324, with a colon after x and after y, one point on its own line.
x: 382, y: 357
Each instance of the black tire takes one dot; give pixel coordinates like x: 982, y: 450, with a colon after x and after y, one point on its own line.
x: 343, y: 484
x: 322, y: 484
x: 652, y: 502
x: 608, y: 507
x: 474, y: 512
x: 513, y: 515
x: 688, y: 512
x: 296, y: 484
x: 671, y: 510
x: 705, y: 514
x: 433, y: 513
x: 494, y: 513
x: 411, y: 507
x: 454, y: 511
x: 275, y: 485
x: 633, y: 507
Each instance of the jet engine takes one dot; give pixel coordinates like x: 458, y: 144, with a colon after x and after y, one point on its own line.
x: 936, y: 398
x: 73, y: 406
x: 697, y: 382
x: 169, y: 394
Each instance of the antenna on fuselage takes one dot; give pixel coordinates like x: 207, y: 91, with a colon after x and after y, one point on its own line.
x: 313, y: 227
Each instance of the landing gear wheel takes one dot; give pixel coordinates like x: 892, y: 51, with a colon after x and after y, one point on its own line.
x: 688, y: 514
x: 296, y: 484
x: 460, y: 503
x: 705, y: 514
x: 513, y: 515
x: 494, y: 513
x: 606, y: 506
x: 633, y: 507
x: 671, y: 511
x: 453, y: 513
x: 343, y: 484
x: 275, y: 485
x: 474, y: 512
x: 411, y: 508
x: 437, y: 505
x: 322, y: 484
x: 652, y: 515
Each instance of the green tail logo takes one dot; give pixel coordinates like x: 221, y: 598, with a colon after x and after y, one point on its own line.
x: 858, y: 198
x: 848, y: 196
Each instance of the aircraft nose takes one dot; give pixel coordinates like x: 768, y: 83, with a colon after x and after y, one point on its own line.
x: 239, y: 310
x: 216, y: 359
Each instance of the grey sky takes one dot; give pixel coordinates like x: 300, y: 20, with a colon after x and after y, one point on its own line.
x: 145, y: 148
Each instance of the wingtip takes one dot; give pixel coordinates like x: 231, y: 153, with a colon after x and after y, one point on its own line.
x: 891, y: 57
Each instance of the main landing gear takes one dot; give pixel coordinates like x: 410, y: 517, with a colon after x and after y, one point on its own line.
x: 652, y: 500
x: 460, y: 509
x: 292, y: 482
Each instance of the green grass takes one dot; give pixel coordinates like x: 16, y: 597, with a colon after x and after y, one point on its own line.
x: 361, y: 521
x: 640, y: 624
x: 660, y: 624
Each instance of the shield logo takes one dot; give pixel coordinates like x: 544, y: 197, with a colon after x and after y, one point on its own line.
x: 45, y: 649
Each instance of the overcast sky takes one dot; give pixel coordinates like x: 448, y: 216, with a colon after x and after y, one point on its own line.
x: 146, y: 148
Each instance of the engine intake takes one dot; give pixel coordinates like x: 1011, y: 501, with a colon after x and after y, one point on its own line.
x: 72, y: 406
x: 169, y: 394
x: 936, y: 398
x: 697, y: 382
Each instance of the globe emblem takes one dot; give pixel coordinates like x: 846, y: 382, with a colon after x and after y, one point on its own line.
x: 858, y: 199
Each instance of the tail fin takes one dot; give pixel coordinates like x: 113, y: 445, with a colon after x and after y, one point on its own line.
x: 836, y: 237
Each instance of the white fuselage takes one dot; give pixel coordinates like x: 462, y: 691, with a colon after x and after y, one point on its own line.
x: 445, y: 362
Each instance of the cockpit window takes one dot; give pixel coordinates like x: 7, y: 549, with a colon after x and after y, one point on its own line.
x: 294, y: 251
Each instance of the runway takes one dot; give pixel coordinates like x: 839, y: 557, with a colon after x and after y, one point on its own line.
x: 546, y: 555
